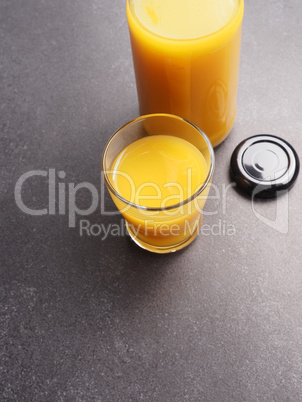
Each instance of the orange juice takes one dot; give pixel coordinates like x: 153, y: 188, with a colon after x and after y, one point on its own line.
x: 160, y: 171
x: 186, y: 59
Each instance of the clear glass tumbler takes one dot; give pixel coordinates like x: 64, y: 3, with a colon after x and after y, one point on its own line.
x: 164, y: 226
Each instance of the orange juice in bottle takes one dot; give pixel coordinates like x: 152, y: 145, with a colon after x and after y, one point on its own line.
x: 186, y: 59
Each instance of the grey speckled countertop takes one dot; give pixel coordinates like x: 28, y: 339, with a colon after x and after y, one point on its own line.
x: 89, y: 318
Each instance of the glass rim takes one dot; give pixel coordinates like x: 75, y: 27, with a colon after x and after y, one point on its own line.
x: 170, y: 207
x: 233, y: 17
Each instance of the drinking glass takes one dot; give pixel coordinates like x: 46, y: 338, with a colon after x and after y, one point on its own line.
x: 165, y: 228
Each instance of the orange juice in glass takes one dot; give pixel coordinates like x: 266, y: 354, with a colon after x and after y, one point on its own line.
x: 158, y: 169
x: 186, y: 59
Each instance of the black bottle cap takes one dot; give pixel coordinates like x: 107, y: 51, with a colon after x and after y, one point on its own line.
x: 264, y: 165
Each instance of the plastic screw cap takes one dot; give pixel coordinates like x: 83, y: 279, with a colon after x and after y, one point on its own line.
x: 264, y: 165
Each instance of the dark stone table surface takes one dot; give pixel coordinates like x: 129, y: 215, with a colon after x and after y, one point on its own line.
x: 95, y: 318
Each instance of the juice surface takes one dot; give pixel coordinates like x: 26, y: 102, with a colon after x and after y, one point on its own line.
x: 186, y: 60
x: 184, y: 19
x: 159, y: 171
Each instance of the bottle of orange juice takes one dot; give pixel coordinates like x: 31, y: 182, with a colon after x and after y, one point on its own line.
x: 186, y: 59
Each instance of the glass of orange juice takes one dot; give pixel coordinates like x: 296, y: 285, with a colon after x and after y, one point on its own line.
x: 186, y: 59
x: 158, y: 169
